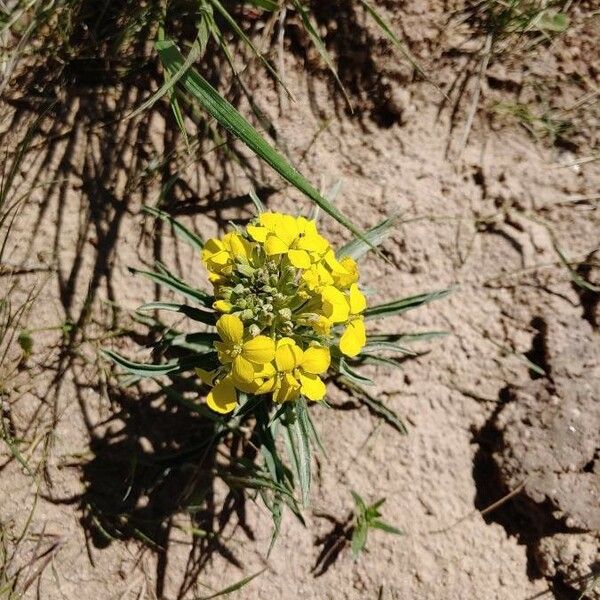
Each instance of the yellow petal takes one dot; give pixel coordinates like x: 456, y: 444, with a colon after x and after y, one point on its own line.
x: 230, y: 328
x: 286, y: 389
x: 274, y: 245
x: 206, y: 377
x: 354, y: 338
x: 242, y: 370
x: 288, y: 355
x: 312, y: 386
x: 259, y: 234
x: 224, y: 350
x: 212, y: 246
x: 316, y: 360
x: 270, y: 220
x: 288, y: 229
x: 335, y: 305
x: 334, y: 264
x: 259, y: 350
x: 222, y: 306
x: 223, y: 397
x: 351, y: 274
x: 358, y: 302
x: 237, y: 245
x: 299, y: 258
x: 313, y: 243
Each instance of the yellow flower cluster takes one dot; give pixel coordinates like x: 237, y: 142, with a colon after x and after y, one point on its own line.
x: 286, y: 300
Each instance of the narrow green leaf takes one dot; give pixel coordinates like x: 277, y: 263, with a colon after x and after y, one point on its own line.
x: 375, y: 406
x: 198, y: 341
x: 196, y: 314
x: 359, y: 538
x: 353, y: 375
x: 388, y: 346
x: 229, y: 118
x: 269, y: 5
x: 575, y: 276
x: 181, y: 230
x: 177, y: 285
x: 357, y: 247
x: 377, y: 524
x: 246, y: 40
x: 319, y: 44
x: 142, y: 369
x: 398, y: 307
x: 150, y: 370
x: 304, y: 454
x: 260, y: 207
x: 233, y: 588
x: 359, y: 502
x: 397, y: 338
x: 387, y: 30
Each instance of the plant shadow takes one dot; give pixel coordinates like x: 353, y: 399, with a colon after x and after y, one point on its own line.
x: 151, y: 478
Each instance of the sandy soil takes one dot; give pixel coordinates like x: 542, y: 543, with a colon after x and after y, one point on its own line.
x: 485, y: 219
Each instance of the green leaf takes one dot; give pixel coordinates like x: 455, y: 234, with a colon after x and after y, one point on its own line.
x: 176, y: 284
x: 353, y: 375
x: 357, y: 247
x: 359, y: 502
x: 260, y: 207
x: 150, y: 370
x: 239, y: 32
x: 389, y: 33
x: 575, y: 276
x: 377, y: 524
x: 233, y: 588
x: 197, y: 341
x: 375, y: 406
x: 229, y: 118
x: 398, y: 307
x: 319, y: 44
x: 359, y: 538
x: 550, y: 20
x: 180, y: 230
x: 196, y: 314
x: 304, y: 454
x: 142, y: 369
x: 270, y: 5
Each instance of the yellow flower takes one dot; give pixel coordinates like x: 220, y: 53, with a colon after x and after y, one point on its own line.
x: 245, y: 355
x: 354, y: 337
x: 335, y: 304
x: 222, y: 398
x: 350, y: 276
x: 297, y: 371
x: 297, y: 238
x: 219, y: 254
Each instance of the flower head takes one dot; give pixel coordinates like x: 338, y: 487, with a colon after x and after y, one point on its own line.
x: 285, y: 300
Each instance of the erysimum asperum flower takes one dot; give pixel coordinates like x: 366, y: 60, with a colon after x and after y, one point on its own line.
x: 287, y: 304
x: 287, y: 310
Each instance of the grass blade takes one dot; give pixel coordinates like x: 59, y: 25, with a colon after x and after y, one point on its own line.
x: 233, y: 588
x: 319, y: 44
x: 229, y: 118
